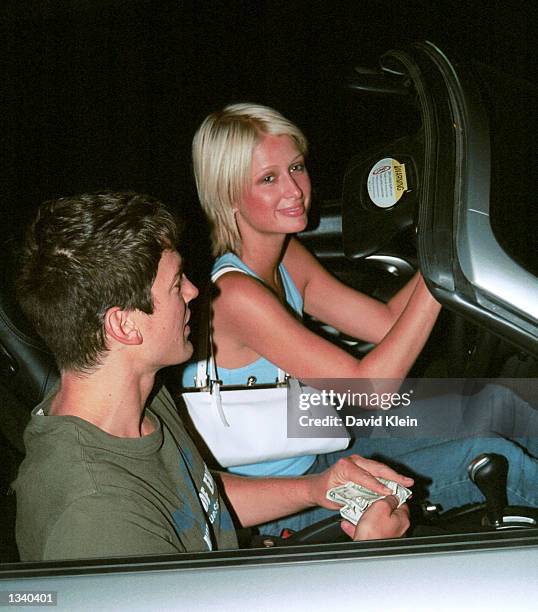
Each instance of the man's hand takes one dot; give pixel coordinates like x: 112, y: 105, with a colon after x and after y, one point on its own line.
x: 278, y: 497
x: 356, y: 469
x: 383, y: 519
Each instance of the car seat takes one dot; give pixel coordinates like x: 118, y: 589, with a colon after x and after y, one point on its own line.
x: 27, y: 368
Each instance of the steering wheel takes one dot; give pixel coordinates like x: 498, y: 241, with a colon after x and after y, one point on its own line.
x: 450, y: 180
x: 399, y: 202
x: 371, y: 217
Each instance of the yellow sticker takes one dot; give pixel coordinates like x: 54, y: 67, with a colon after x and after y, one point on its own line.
x: 387, y: 182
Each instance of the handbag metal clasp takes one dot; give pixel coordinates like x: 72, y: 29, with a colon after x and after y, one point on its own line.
x: 212, y: 384
x: 283, y: 383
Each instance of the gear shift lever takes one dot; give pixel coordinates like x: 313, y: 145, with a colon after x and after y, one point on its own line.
x: 489, y: 472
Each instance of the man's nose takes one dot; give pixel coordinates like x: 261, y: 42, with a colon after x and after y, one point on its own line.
x: 190, y: 291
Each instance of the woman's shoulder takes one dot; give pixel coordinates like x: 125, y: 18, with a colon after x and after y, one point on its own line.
x: 229, y: 262
x: 236, y: 283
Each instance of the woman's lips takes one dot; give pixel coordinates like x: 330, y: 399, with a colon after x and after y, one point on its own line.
x: 293, y: 211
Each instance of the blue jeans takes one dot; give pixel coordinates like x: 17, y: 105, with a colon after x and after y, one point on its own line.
x: 494, y: 421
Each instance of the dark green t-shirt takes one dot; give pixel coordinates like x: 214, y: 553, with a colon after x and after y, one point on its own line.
x: 84, y: 493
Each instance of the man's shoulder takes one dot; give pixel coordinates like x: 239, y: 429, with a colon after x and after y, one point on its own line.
x: 54, y: 463
x: 58, y: 446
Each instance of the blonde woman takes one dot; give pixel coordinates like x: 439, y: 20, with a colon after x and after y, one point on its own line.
x: 252, y: 181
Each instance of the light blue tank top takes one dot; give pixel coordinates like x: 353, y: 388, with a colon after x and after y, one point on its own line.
x: 265, y: 373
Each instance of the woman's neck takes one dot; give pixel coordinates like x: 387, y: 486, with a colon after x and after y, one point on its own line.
x: 264, y: 257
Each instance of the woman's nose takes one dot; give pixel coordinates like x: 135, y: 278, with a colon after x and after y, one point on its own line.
x: 293, y: 190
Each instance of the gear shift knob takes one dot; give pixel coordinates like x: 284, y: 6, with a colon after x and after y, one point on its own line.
x: 489, y: 472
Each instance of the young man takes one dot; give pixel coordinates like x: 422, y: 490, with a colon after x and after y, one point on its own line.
x: 110, y: 469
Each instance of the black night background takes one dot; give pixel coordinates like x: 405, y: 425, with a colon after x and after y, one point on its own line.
x: 108, y: 93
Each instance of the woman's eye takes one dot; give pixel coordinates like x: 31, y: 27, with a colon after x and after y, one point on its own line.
x: 297, y: 168
x: 268, y: 179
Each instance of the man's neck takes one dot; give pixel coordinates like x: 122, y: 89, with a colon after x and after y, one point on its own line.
x: 112, y: 399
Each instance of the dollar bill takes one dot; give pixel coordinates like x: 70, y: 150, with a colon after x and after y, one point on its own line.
x: 355, y: 498
x: 351, y: 514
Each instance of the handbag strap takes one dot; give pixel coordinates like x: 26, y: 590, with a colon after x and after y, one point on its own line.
x: 206, y: 370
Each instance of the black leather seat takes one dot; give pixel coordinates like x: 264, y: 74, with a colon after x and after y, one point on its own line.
x: 27, y: 368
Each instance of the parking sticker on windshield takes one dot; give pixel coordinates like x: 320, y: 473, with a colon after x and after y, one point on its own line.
x: 387, y: 182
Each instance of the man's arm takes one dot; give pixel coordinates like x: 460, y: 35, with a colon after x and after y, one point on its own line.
x: 258, y: 500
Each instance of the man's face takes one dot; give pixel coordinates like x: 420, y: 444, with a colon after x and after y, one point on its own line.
x: 165, y: 332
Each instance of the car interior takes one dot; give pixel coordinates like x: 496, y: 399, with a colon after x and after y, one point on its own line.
x: 465, y: 218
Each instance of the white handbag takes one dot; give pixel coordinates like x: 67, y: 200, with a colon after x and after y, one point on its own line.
x: 249, y: 423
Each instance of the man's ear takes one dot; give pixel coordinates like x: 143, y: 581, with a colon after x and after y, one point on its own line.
x: 120, y: 325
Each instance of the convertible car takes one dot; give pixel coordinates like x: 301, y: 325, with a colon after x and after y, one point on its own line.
x: 452, y: 196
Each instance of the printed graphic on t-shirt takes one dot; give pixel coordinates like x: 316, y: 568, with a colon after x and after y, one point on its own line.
x: 187, y: 517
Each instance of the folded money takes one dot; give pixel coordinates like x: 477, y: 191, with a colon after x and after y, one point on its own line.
x: 355, y: 498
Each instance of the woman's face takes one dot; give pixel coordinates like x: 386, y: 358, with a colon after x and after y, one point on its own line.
x: 278, y: 198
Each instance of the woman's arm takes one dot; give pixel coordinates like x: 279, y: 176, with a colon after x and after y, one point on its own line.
x: 341, y: 309
x: 249, y: 320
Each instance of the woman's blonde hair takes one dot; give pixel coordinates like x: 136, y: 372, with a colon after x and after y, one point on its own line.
x: 222, y: 156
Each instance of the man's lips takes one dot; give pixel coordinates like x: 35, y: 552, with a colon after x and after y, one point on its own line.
x: 186, y: 328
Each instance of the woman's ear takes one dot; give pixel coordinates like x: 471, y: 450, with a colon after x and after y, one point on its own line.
x: 121, y: 326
